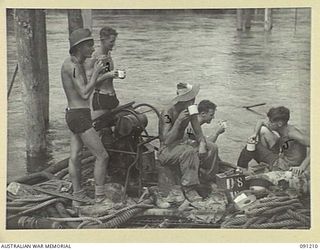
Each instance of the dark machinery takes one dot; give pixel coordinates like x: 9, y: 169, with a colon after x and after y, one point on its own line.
x: 124, y: 135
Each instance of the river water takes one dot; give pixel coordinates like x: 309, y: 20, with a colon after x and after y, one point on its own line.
x: 159, y: 49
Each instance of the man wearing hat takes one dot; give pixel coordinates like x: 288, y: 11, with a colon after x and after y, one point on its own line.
x: 174, y: 150
x: 104, y: 97
x: 78, y: 117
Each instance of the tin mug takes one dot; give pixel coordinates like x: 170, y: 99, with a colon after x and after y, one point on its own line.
x: 121, y: 74
x: 193, y: 109
x: 251, y: 146
x: 224, y: 124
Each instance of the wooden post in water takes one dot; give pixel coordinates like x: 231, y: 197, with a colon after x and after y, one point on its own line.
x: 267, y: 19
x: 42, y: 57
x: 295, y: 19
x: 244, y: 17
x: 247, y: 18
x: 239, y: 19
x: 87, y: 19
x: 75, y: 20
x: 30, y: 37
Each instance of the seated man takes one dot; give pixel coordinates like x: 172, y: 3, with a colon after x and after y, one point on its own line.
x: 287, y: 149
x: 174, y: 151
x: 206, y: 114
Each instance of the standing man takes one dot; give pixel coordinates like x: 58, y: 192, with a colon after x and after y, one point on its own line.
x: 174, y: 150
x: 104, y: 98
x: 78, y: 116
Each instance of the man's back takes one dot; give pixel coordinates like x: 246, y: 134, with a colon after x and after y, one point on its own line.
x: 166, y: 122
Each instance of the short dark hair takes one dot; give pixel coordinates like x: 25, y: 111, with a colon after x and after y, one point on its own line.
x: 106, y: 32
x: 279, y: 114
x: 205, y: 105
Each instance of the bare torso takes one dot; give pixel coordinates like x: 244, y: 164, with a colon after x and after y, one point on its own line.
x: 106, y: 86
x: 293, y: 151
x: 71, y: 68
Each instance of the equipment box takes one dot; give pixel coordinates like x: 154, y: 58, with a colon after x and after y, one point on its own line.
x: 232, y: 181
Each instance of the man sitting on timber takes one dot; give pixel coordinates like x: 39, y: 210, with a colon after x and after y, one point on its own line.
x: 206, y: 114
x: 78, y: 116
x: 287, y: 149
x: 174, y: 151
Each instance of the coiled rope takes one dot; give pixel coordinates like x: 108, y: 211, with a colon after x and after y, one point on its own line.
x: 272, y: 212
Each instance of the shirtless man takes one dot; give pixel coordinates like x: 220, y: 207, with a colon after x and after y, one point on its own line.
x: 78, y: 117
x: 287, y: 149
x: 174, y: 150
x: 104, y: 97
x: 207, y: 110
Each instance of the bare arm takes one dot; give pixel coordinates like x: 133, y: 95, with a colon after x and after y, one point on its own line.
x: 196, y: 128
x: 304, y: 140
x: 221, y: 129
x: 258, y: 126
x: 170, y: 129
x: 108, y: 75
x: 213, y: 138
x: 83, y: 89
x: 101, y: 77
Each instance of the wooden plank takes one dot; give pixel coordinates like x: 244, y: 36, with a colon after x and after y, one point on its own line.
x: 254, y: 105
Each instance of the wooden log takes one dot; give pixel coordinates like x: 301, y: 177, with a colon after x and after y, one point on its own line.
x: 34, y: 178
x: 75, y: 20
x: 47, y: 174
x: 28, y: 43
x: 27, y: 222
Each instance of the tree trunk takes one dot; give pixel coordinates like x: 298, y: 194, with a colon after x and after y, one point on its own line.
x: 30, y: 58
x: 41, y: 39
x: 74, y: 20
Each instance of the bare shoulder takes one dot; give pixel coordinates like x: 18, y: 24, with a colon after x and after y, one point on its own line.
x: 167, y: 111
x: 167, y: 116
x: 67, y: 65
x: 293, y: 131
x: 297, y: 134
